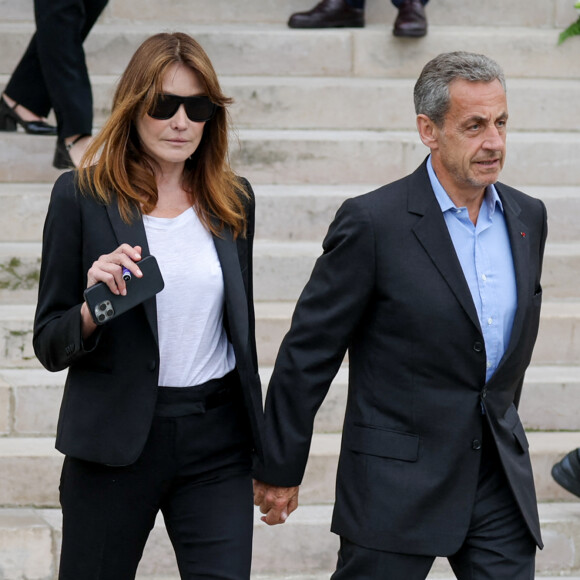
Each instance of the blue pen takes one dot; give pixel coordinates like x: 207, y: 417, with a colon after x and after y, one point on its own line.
x: 126, y: 274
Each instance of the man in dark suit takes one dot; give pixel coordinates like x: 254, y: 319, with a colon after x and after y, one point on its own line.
x: 432, y: 284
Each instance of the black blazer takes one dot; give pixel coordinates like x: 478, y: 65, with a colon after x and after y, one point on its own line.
x: 390, y: 289
x: 110, y: 390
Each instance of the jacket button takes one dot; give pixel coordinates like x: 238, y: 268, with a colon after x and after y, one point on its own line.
x: 152, y: 365
x: 476, y: 444
x: 484, y: 393
x: 477, y: 346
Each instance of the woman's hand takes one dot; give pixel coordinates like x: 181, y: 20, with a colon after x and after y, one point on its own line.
x: 109, y: 269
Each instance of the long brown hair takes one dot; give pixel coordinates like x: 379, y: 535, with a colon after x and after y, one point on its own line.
x: 117, y: 169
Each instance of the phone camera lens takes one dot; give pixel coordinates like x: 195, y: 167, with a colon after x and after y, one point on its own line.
x: 102, y: 306
x: 101, y: 317
x: 110, y: 312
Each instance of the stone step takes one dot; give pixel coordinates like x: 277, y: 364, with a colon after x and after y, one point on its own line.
x: 30, y: 468
x: 558, y: 340
x: 265, y: 102
x: 19, y: 272
x: 303, y: 548
x: 283, y: 212
x: 30, y: 400
x: 275, y: 49
x: 281, y: 269
x: 535, y: 13
x: 16, y: 336
x: 330, y: 157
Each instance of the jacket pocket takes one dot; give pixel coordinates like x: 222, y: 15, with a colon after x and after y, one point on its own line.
x: 383, y: 442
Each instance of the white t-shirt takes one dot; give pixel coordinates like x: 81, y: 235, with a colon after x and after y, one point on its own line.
x: 193, y: 344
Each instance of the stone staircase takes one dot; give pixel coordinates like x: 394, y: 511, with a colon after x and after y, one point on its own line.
x: 320, y: 116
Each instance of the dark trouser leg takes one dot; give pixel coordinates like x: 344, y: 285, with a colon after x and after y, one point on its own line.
x: 108, y: 512
x: 498, y: 545
x: 53, y: 72
x: 107, y: 516
x: 210, y: 526
x: 358, y: 563
x: 26, y: 85
x: 61, y: 28
x: 209, y: 509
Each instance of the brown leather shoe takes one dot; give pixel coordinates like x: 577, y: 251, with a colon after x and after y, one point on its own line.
x: 411, y: 21
x: 329, y: 14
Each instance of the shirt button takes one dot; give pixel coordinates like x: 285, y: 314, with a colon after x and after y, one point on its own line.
x: 477, y: 346
x: 490, y: 320
x: 488, y: 364
x: 484, y: 277
x: 476, y: 444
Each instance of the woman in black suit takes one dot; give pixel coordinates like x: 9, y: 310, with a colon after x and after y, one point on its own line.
x: 52, y: 74
x: 162, y: 405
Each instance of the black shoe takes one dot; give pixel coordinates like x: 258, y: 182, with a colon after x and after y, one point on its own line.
x: 411, y: 20
x: 9, y: 119
x: 62, y: 158
x: 329, y: 14
x: 567, y: 472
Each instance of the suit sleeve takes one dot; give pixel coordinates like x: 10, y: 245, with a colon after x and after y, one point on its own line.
x: 57, y: 336
x: 326, y: 316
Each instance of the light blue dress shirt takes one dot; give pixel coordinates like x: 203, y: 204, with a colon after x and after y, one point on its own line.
x: 485, y: 255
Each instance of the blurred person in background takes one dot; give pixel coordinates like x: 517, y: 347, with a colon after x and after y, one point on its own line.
x: 411, y: 21
x: 53, y: 75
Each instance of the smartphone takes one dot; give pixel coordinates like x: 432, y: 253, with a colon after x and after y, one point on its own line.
x: 104, y: 305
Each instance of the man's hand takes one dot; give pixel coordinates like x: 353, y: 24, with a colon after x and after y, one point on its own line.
x: 275, y: 501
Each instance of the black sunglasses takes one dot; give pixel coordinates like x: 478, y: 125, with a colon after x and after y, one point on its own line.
x: 198, y: 109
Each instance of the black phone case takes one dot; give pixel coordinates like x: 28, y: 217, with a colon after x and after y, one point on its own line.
x: 104, y: 305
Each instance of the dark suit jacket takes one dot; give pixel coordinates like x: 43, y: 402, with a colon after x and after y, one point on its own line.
x: 390, y: 289
x: 110, y: 390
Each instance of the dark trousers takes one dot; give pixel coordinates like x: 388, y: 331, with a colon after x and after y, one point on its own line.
x: 53, y: 73
x: 195, y: 469
x: 361, y: 3
x: 498, y: 545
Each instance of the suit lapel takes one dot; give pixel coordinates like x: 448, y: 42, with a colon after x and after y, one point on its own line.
x: 134, y: 235
x: 433, y: 235
x: 236, y: 307
x: 520, y: 254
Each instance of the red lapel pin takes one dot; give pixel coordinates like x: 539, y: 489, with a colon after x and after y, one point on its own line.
x: 523, y: 234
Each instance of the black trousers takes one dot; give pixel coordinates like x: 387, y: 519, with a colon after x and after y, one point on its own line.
x: 195, y: 469
x: 498, y: 545
x: 53, y: 74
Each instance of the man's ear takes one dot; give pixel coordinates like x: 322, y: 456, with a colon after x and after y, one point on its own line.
x: 428, y: 131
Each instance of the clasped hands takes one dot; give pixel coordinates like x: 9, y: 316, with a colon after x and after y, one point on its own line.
x: 276, y: 502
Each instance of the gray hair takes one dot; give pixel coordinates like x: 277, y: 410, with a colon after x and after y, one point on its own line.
x: 432, y: 88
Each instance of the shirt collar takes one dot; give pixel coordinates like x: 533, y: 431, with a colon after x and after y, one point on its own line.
x: 491, y: 198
